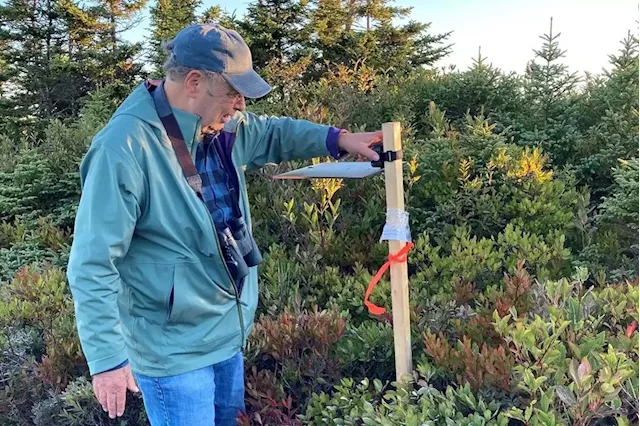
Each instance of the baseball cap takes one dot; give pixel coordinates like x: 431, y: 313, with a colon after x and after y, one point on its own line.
x: 210, y: 47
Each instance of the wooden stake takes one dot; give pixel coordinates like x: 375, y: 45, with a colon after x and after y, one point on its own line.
x: 399, y: 276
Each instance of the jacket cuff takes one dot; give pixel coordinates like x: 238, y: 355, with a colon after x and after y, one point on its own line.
x: 117, y: 366
x: 108, y: 364
x: 332, y: 143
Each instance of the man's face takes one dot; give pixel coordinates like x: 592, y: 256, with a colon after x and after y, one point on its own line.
x: 215, y: 101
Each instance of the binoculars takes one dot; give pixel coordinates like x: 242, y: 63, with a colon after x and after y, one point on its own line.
x: 239, y: 250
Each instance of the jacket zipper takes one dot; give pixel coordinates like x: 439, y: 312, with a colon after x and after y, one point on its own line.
x: 233, y: 284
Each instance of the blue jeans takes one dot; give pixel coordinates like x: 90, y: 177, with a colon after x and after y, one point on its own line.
x: 205, y: 397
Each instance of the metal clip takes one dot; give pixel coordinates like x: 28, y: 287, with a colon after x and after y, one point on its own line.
x: 195, y: 182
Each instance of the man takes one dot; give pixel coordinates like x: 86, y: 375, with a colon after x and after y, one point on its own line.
x: 162, y: 268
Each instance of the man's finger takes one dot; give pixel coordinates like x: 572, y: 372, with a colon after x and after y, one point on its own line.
x: 131, y: 383
x: 369, y: 153
x: 376, y: 136
x: 121, y: 400
x: 372, y: 138
x: 102, y: 399
x: 111, y: 403
x: 96, y: 391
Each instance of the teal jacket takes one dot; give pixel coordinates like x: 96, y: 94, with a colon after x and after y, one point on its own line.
x: 141, y: 232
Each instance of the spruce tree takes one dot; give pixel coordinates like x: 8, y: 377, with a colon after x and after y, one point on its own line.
x: 329, y: 21
x: 480, y: 90
x: 610, y: 110
x: 167, y: 18
x: 7, y: 105
x: 616, y: 88
x: 217, y: 15
x: 549, y: 80
x: 628, y: 56
x: 119, y: 16
x: 551, y: 119
x: 54, y: 52
x: 399, y: 47
x: 357, y: 31
x: 34, y: 44
x: 97, y: 46
x: 380, y: 12
x: 276, y: 30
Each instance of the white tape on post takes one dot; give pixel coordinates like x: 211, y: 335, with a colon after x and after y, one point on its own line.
x: 397, y: 226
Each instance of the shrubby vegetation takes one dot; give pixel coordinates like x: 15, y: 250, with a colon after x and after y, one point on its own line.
x: 523, y: 199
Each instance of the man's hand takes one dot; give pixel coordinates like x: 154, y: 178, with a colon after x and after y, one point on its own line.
x: 111, y: 389
x: 359, y: 143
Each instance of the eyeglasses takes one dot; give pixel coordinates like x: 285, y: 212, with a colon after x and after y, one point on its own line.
x: 231, y: 93
x: 234, y: 94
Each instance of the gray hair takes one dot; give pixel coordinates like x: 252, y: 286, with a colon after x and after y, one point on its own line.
x: 177, y: 72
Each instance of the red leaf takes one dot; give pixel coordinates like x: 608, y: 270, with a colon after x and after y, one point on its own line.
x: 631, y: 328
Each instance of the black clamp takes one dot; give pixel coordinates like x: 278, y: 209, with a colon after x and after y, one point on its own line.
x: 385, y: 156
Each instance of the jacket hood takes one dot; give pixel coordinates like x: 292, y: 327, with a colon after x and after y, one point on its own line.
x: 140, y: 104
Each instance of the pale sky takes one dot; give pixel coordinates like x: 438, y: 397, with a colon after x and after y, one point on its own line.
x: 509, y: 30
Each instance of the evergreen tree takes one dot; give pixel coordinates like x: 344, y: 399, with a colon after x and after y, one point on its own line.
x: 217, y: 15
x: 615, y: 89
x: 7, y: 105
x: 549, y: 80
x: 97, y: 47
x: 120, y: 15
x: 276, y: 30
x: 551, y: 119
x: 4, y: 69
x: 379, y: 11
x: 628, y: 54
x: 34, y: 45
x: 610, y: 111
x: 167, y: 18
x: 56, y: 51
x: 329, y: 21
x: 356, y: 31
x: 480, y: 90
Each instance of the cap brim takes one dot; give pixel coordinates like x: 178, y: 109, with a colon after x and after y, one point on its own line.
x: 249, y: 84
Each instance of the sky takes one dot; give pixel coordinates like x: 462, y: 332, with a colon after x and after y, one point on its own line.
x: 507, y: 31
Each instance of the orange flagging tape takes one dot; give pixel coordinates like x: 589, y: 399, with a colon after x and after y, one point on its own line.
x: 399, y: 257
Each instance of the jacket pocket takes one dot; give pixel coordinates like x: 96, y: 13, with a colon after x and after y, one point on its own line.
x: 148, y: 290
x: 170, y: 302
x: 198, y: 306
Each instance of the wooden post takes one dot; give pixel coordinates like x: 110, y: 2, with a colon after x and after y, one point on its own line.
x: 399, y: 276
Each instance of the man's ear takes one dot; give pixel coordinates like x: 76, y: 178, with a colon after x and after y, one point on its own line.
x: 193, y: 83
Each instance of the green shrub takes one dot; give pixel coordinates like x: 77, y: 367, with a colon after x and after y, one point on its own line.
x: 34, y: 187
x: 478, y: 180
x: 30, y: 242
x: 616, y: 239
x: 42, y: 301
x: 77, y: 406
x: 371, y: 402
x: 581, y: 356
x: 367, y: 351
x: 20, y: 383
